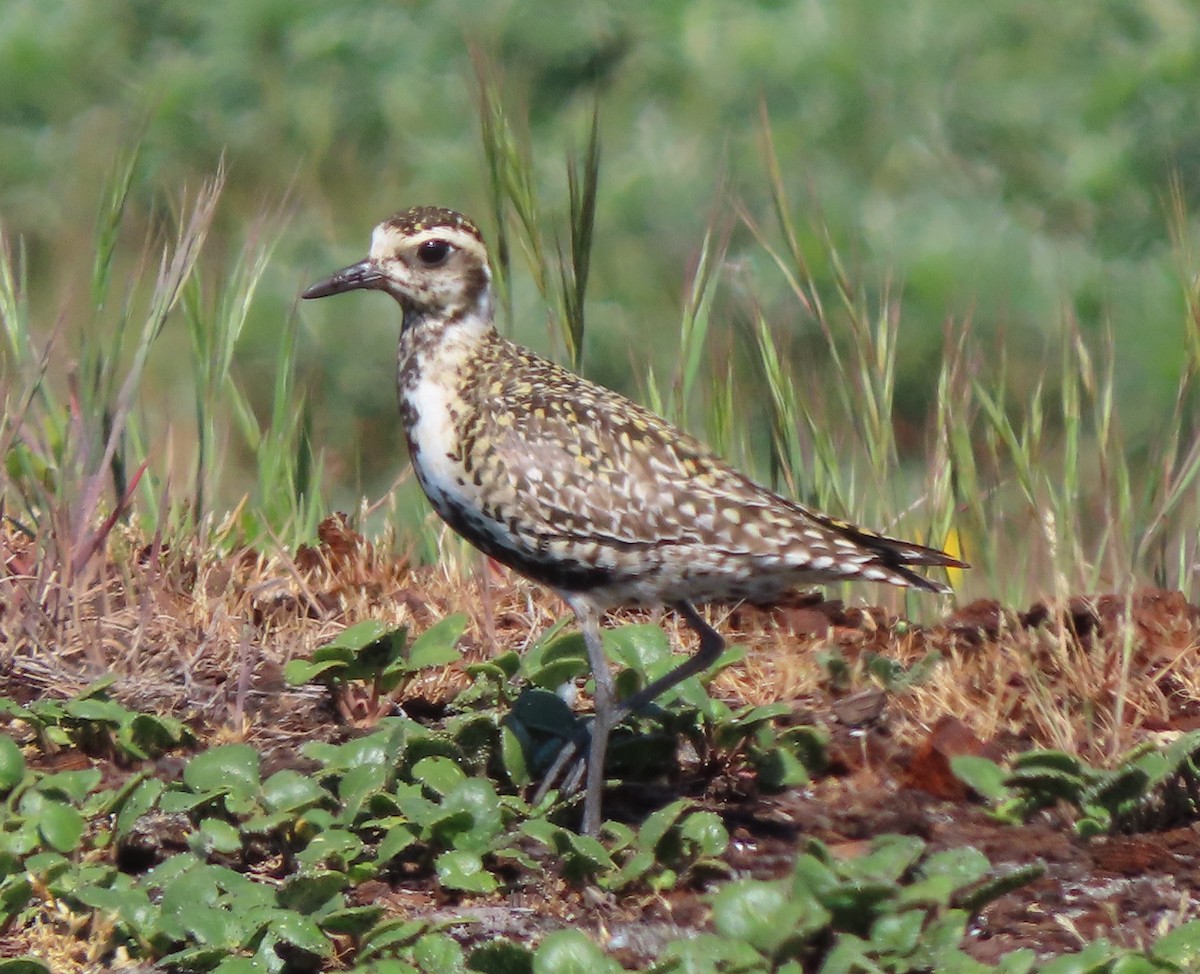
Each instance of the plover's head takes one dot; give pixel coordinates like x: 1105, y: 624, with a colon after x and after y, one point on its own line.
x: 432, y: 260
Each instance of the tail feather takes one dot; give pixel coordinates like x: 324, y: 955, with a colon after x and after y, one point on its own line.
x: 897, y: 556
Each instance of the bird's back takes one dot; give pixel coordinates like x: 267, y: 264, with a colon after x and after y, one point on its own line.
x: 581, y: 489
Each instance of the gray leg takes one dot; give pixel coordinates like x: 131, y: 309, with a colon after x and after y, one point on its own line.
x: 609, y: 712
x: 711, y: 646
x: 602, y: 725
x: 570, y: 765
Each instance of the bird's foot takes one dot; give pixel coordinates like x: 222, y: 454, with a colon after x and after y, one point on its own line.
x: 569, y: 767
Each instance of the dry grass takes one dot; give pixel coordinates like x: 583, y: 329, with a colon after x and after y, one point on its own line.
x: 204, y: 636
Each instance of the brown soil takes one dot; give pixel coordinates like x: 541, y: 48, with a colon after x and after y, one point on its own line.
x: 206, y: 640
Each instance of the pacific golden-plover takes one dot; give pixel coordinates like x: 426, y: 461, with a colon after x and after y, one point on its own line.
x: 579, y: 488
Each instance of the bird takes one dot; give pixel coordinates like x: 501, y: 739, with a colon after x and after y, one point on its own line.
x: 580, y: 489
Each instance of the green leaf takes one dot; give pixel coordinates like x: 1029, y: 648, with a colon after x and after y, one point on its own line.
x: 477, y: 798
x: 778, y: 768
x: 707, y: 953
x: 634, y: 869
x: 71, y: 785
x: 97, y: 688
x: 897, y: 933
x: 463, y: 870
x: 890, y: 857
x: 974, y: 900
x: 137, y: 803
x: 231, y: 768
x: 1135, y: 964
x: 986, y: 778
x: 571, y: 952
x: 1123, y: 785
x: 15, y: 894
x: 97, y: 711
x: 390, y: 934
x: 204, y: 957
x: 1180, y: 947
x: 766, y: 915
x: 512, y: 754
x: 543, y: 831
x: 707, y: 832
x: 1049, y: 760
x: 501, y: 957
x: 962, y: 865
x: 299, y: 672
x: 658, y: 823
x: 1017, y: 962
x: 439, y: 775
x: 587, y: 856
x: 437, y: 952
x: 152, y: 734
x: 397, y: 839
x: 12, y: 764
x: 353, y: 921
x: 60, y: 826
x: 361, y: 635
x: 639, y: 647
x: 290, y: 791
x: 238, y: 965
x: 1090, y: 960
x: 23, y: 965
x: 131, y: 904
x: 314, y: 892
x: 437, y: 645
x: 357, y: 787
x: 336, y: 847
x: 299, y: 931
x: 561, y: 659
x: 215, y: 835
x: 544, y: 712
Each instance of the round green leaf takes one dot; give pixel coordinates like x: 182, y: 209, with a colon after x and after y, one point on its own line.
x: 60, y: 826
x: 229, y: 768
x: 215, y: 835
x: 707, y: 831
x: 638, y: 646
x: 289, y: 791
x: 501, y: 957
x: 571, y: 952
x: 72, y: 785
x: 436, y: 646
x: 23, y: 965
x: 300, y: 931
x: 12, y: 763
x: 464, y: 871
x: 437, y: 952
x: 440, y: 775
x: 766, y: 914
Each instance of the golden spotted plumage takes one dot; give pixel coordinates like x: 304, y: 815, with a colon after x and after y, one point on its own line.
x: 575, y: 486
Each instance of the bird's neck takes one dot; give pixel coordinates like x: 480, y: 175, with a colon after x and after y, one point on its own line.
x: 441, y: 328
x: 438, y: 345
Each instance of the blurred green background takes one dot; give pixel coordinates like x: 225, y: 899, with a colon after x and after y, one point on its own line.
x: 1007, y: 163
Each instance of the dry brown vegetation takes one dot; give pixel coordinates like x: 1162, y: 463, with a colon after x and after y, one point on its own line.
x: 204, y: 637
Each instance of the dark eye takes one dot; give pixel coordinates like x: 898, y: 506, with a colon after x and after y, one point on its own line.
x: 433, y: 252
